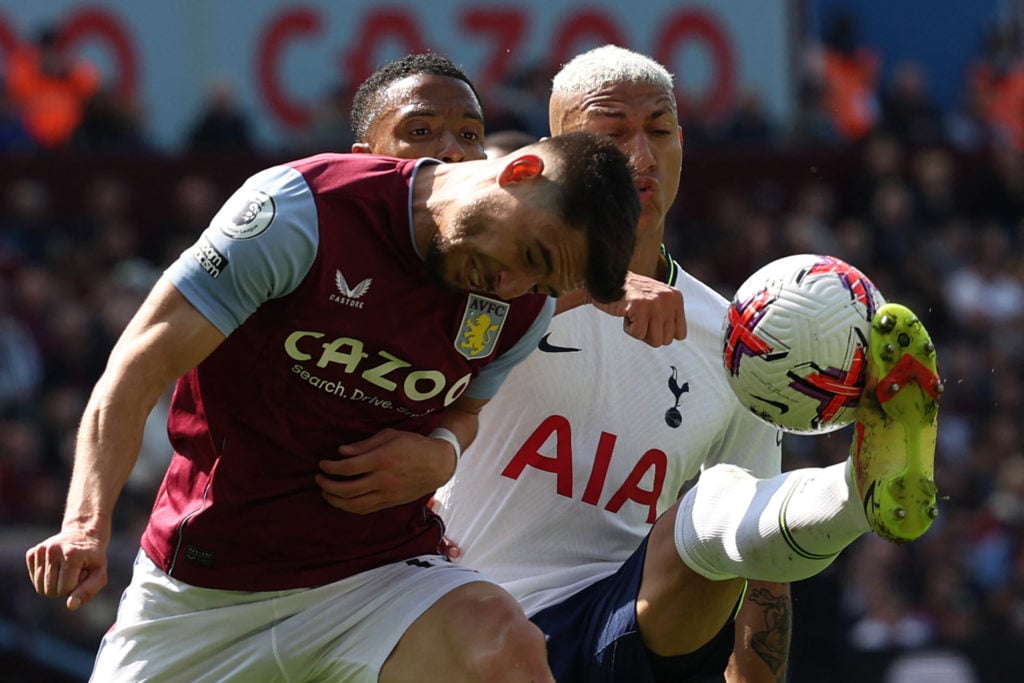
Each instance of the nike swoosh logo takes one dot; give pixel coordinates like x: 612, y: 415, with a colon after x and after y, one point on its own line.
x: 545, y: 345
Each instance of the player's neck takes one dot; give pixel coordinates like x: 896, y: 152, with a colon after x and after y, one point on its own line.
x: 431, y: 200
x: 647, y: 259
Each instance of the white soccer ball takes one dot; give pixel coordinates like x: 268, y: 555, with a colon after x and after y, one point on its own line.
x: 795, y: 342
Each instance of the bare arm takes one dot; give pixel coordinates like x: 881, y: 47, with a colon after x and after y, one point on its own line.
x: 376, y: 473
x: 763, y: 630
x: 651, y: 311
x: 166, y: 338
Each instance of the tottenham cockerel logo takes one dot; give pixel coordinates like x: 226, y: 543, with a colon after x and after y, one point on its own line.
x: 674, y: 418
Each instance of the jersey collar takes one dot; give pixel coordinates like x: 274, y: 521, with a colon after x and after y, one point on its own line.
x: 671, y: 269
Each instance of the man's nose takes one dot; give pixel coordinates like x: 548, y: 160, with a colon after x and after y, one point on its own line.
x: 450, y: 150
x: 638, y: 150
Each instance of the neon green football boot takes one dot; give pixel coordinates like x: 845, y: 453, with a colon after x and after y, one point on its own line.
x: 893, y: 448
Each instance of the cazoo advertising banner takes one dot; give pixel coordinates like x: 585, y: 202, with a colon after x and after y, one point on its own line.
x: 283, y: 57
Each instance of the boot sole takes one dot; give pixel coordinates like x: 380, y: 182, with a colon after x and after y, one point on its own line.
x: 901, y: 504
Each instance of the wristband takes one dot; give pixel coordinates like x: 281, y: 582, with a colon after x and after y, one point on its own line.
x: 449, y: 436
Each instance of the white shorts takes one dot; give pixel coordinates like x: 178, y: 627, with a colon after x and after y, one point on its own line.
x: 170, y: 631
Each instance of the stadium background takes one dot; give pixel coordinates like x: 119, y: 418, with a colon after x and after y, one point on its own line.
x: 894, y: 140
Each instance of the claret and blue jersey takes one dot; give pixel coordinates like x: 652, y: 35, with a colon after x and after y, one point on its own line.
x: 335, y: 331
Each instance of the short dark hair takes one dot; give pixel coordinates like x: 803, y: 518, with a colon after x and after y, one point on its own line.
x: 509, y: 140
x: 367, y: 100
x: 599, y: 196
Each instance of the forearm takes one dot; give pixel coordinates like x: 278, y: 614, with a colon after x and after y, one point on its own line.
x: 651, y: 310
x: 377, y: 472
x: 462, y: 418
x: 106, y: 448
x: 164, y: 340
x: 763, y: 632
x: 571, y: 300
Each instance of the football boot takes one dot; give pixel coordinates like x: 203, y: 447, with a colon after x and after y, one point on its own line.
x: 893, y: 450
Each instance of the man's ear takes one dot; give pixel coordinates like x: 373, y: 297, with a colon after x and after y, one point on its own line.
x: 521, y: 168
x: 361, y: 148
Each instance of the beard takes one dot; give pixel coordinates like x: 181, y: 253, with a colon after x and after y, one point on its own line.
x: 466, y: 225
x: 435, y: 261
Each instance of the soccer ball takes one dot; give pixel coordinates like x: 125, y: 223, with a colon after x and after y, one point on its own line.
x: 795, y: 342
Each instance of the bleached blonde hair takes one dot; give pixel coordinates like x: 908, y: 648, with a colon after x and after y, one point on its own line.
x: 600, y: 66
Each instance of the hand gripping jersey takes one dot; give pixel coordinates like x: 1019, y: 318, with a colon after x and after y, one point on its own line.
x: 335, y: 331
x: 591, y: 439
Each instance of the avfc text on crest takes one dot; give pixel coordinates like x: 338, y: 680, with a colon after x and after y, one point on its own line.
x: 481, y: 324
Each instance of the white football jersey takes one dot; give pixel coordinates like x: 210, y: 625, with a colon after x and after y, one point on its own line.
x: 588, y: 441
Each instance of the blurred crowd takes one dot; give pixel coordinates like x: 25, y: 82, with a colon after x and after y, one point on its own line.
x: 929, y: 204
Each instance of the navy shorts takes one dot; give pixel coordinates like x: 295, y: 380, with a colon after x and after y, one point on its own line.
x: 593, y: 637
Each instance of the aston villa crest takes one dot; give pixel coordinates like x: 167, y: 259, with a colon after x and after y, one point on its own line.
x: 481, y: 324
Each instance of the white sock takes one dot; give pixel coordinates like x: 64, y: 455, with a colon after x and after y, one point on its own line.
x: 782, y: 529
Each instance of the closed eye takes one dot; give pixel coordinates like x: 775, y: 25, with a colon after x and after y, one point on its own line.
x: 539, y: 256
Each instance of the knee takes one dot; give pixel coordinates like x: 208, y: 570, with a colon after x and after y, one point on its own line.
x: 503, y: 644
x: 519, y: 653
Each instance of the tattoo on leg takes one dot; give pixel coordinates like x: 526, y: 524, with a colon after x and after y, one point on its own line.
x: 772, y: 644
